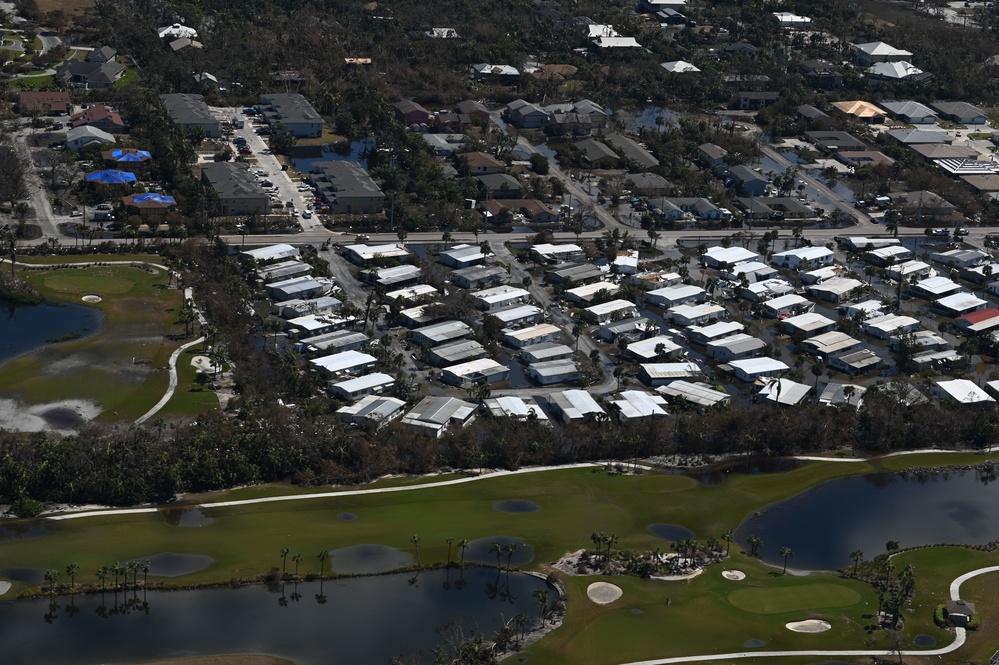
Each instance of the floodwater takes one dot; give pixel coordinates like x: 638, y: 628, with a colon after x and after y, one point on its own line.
x: 358, y: 621
x: 24, y: 530
x: 478, y: 551
x: 516, y: 506
x: 670, y: 531
x: 25, y: 328
x: 187, y: 517
x: 369, y: 559
x: 823, y: 525
x: 171, y: 564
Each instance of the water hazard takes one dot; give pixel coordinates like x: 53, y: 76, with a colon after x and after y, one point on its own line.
x: 826, y: 523
x: 358, y: 621
x: 24, y: 328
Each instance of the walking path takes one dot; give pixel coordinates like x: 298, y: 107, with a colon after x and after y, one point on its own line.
x: 172, y: 363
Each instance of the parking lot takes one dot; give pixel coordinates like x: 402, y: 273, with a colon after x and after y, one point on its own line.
x: 267, y: 168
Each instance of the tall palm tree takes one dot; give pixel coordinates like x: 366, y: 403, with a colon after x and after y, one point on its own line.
x: 448, y: 541
x: 728, y: 537
x: 284, y: 561
x: 102, y: 574
x: 857, y: 556
x: 144, y: 567
x: 755, y: 543
x: 462, y: 546
x: 541, y: 595
x: 510, y: 550
x: 498, y: 551
x: 51, y: 576
x: 786, y: 553
x: 297, y: 558
x: 521, y: 622
x: 322, y: 556
x: 71, y: 572
x: 416, y: 543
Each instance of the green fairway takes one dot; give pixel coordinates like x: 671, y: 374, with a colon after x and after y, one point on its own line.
x: 771, y: 600
x: 654, y: 618
x: 120, y: 366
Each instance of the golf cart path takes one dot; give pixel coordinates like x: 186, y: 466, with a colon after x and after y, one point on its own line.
x: 172, y: 363
x: 959, y: 639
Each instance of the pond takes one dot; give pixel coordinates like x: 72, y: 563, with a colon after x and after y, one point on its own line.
x: 357, y: 152
x: 357, y: 621
x: 24, y: 328
x: 823, y: 525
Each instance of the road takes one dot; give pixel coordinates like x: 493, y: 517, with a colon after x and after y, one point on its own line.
x: 49, y: 41
x: 864, y: 222
x: 45, y: 217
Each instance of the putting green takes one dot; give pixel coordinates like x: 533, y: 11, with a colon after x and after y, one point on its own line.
x: 777, y: 600
x: 103, y: 284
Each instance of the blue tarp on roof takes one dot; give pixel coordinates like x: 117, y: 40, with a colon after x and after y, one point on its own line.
x: 131, y: 155
x: 111, y: 177
x: 153, y: 197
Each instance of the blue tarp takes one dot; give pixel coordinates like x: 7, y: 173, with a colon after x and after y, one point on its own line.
x: 153, y: 197
x: 131, y: 155
x: 111, y: 177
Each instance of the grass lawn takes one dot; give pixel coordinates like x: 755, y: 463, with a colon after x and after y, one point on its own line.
x: 121, y: 365
x: 708, y: 614
x: 190, y: 398
x: 91, y: 258
x: 32, y: 82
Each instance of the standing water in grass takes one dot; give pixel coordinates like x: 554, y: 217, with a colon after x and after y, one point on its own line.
x: 24, y: 328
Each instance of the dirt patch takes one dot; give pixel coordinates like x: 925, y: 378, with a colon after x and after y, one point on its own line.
x: 59, y: 416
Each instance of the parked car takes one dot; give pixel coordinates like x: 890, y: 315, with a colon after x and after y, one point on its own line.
x: 940, y: 233
x: 76, y: 213
x: 960, y: 232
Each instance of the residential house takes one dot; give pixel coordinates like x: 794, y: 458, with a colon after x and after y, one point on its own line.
x: 500, y: 186
x: 909, y: 111
x: 836, y: 289
x: 483, y: 371
x: 79, y: 138
x: 919, y: 136
x: 500, y: 74
x: 671, y: 296
x: 694, y: 392
x: 191, y: 112
x: 750, y: 100
x: 861, y: 110
x: 647, y: 184
x: 679, y: 67
x: 658, y: 374
x: 718, y: 256
x: 102, y: 55
x: 236, y: 189
x: 101, y: 117
x: 961, y: 112
x: 783, y: 392
x: 616, y: 42
x: 376, y: 409
x: 821, y: 74
x: 639, y: 405
x: 611, y: 310
x: 812, y: 257
x: 714, y: 332
x: 360, y: 386
x: 293, y: 112
x: 711, y: 155
x: 508, y: 406
x: 961, y: 391
x: 54, y: 102
x: 787, y: 305
x: 597, y: 153
x: 441, y: 333
x: 813, y: 117
x: 479, y: 277
x: 410, y: 113
x: 874, y: 52
x: 751, y: 369
x: 574, y: 405
x: 536, y: 334
x: 476, y: 111
x: 525, y: 115
x: 695, y: 315
x: 149, y: 205
x: 544, y: 352
x: 346, y: 188
x: 553, y: 371
x: 735, y: 347
x: 747, y: 181
x: 344, y: 364
x: 88, y: 75
x: 633, y: 152
x: 887, y: 326
x: 462, y: 256
x: 832, y: 141
x: 808, y: 324
x: 631, y: 329
x: 434, y: 415
x: 857, y: 158
x: 480, y: 163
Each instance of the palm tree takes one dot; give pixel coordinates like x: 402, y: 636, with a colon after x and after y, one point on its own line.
x: 51, y: 576
x: 296, y: 558
x: 728, y: 537
x: 462, y: 546
x: 541, y: 595
x: 786, y: 553
x: 322, y: 556
x: 284, y: 560
x: 116, y: 569
x: 144, y: 567
x: 611, y: 541
x: 102, y: 574
x: 448, y: 541
x: 498, y: 551
x: 71, y: 572
x: 416, y: 543
x: 857, y: 556
x: 521, y: 622
x: 755, y: 543
x: 510, y: 550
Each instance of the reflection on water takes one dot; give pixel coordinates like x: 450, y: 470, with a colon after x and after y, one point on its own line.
x: 824, y: 524
x: 516, y: 506
x: 483, y: 551
x: 187, y: 517
x: 24, y: 328
x: 23, y: 575
x: 357, y: 621
x: 754, y: 465
x: 369, y: 559
x: 171, y: 564
x: 24, y: 529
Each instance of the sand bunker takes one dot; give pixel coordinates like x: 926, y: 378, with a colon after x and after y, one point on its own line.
x: 91, y: 298
x: 4, y: 587
x: 204, y: 364
x: 603, y: 593
x: 60, y: 416
x: 809, y: 626
x: 734, y: 575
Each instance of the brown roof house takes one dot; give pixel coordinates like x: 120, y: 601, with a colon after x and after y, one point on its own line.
x: 411, y: 113
x: 55, y: 102
x: 101, y: 117
x: 502, y: 211
x: 480, y: 163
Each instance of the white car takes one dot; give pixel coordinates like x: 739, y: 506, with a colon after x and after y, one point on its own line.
x: 307, y: 214
x: 76, y: 213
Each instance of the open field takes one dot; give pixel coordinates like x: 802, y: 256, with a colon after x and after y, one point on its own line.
x: 122, y: 365
x: 652, y: 619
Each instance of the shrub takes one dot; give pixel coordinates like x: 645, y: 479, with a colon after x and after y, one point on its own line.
x: 940, y: 616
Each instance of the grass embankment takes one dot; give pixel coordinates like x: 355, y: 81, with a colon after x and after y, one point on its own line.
x: 122, y: 366
x: 653, y: 619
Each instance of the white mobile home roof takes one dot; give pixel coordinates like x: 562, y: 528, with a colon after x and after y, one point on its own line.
x: 865, y: 308
x: 646, y: 348
x: 961, y: 302
x: 837, y: 286
x: 575, y: 404
x: 730, y: 255
x: 479, y: 368
x: 313, y: 322
x: 674, y: 293
x: 694, y: 392
x: 891, y: 252
x: 715, y: 331
x: 610, y: 307
x: 805, y: 254
x: 548, y: 250
x: 861, y: 243
x: 587, y: 291
x: 442, y: 332
x: 681, y: 313
x: 373, y: 407
x: 343, y: 362
x: 366, y: 382
x: 551, y: 368
x: 658, y: 371
x: 515, y: 407
x: 808, y: 322
x: 387, y: 251
x: 752, y: 366
x: 887, y: 324
x: 639, y: 404
x: 963, y: 391
x: 438, y: 412
x: 937, y: 285
x: 789, y: 300
x: 464, y: 253
x: 784, y: 391
x: 536, y: 353
x: 456, y: 352
x: 271, y: 253
x: 498, y: 294
x: 518, y: 337
x: 412, y: 292
x: 511, y: 315
x: 832, y: 342
x: 736, y: 344
x: 769, y: 288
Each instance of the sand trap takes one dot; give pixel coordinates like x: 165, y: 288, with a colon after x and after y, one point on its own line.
x: 809, y: 626
x: 61, y: 416
x: 91, y: 298
x: 4, y: 587
x: 734, y: 575
x: 204, y: 364
x: 603, y: 593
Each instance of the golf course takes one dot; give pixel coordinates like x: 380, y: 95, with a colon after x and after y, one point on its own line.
x: 652, y: 619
